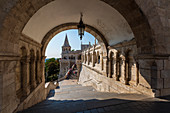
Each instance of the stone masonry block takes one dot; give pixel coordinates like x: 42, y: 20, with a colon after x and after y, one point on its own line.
x: 167, y: 83
x: 159, y: 64
x: 160, y: 83
x: 166, y: 64
x: 145, y: 64
x: 165, y: 92
x: 165, y: 74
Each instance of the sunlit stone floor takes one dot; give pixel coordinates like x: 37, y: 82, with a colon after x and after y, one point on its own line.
x: 71, y: 98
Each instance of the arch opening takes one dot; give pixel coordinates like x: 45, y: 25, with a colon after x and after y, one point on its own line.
x: 100, y: 38
x: 151, y: 37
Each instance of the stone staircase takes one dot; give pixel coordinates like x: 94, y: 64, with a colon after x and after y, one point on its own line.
x: 85, y: 99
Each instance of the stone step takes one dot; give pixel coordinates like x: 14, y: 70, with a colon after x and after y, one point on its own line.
x: 77, y: 98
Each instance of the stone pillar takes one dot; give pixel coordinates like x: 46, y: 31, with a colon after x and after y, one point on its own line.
x: 85, y: 58
x: 88, y: 58
x: 105, y: 69
x: 101, y: 60
x: 137, y: 73
x: 110, y: 67
x: 26, y: 76
x: 93, y: 59
x: 38, y: 72
x: 122, y: 69
x: 78, y: 63
x: 126, y: 74
x: 118, y: 69
x: 32, y: 73
x: 42, y: 68
x: 114, y: 67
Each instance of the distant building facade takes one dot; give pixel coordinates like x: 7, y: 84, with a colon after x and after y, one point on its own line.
x: 69, y: 57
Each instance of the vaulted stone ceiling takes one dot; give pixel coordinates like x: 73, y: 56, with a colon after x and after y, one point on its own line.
x: 96, y: 13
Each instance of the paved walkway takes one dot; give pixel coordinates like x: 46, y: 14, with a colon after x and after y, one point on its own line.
x: 76, y: 98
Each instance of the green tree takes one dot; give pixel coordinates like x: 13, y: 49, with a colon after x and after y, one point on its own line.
x: 52, y: 68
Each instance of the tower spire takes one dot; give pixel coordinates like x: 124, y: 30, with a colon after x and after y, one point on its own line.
x: 66, y: 43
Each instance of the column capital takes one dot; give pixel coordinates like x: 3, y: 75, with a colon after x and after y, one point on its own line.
x: 123, y: 57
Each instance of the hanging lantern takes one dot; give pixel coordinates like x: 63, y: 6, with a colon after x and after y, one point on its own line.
x: 81, y: 27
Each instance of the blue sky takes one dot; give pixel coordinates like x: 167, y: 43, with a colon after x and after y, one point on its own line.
x: 54, y: 47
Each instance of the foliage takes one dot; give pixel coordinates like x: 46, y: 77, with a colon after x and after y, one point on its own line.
x: 53, y: 77
x: 72, y: 50
x: 52, y: 68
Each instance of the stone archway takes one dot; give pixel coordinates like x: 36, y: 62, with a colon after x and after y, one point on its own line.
x: 147, y: 19
x: 99, y: 36
x: 26, y: 9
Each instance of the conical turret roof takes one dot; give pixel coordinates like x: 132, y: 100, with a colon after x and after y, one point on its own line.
x: 66, y: 43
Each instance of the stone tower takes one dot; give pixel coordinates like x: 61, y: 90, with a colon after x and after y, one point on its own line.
x: 66, y: 47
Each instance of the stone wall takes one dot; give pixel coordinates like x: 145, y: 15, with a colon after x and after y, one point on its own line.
x: 91, y: 77
x: 147, y: 74
x: 120, y: 71
x: 33, y: 98
x: 22, y: 77
x: 39, y: 94
x: 8, y: 98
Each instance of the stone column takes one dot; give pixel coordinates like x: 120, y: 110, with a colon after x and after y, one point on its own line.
x: 105, y: 66
x: 88, y: 58
x: 42, y: 68
x: 97, y: 58
x: 126, y: 72
x: 78, y: 63
x: 93, y: 59
x: 32, y: 73
x: 117, y: 68
x: 114, y: 67
x: 110, y: 67
x: 25, y: 75
x: 123, y: 69
x: 85, y: 61
x: 137, y: 73
x: 101, y: 61
x: 38, y: 72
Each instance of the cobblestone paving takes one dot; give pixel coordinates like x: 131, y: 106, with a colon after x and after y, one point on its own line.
x: 80, y: 99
